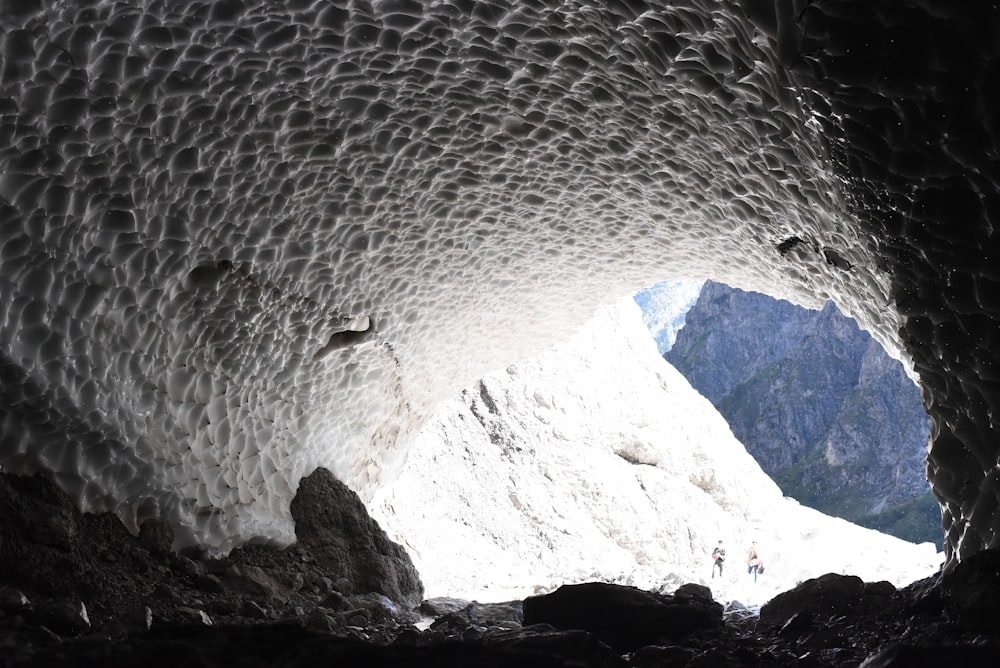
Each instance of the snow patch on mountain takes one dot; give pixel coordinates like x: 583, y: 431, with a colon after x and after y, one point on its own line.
x: 598, y: 461
x: 664, y: 307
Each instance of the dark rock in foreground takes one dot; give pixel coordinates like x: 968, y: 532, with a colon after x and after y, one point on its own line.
x: 822, y: 598
x: 287, y: 646
x: 971, y: 592
x: 333, y: 524
x: 480, y: 616
x: 915, y: 656
x: 623, y: 617
x: 78, y: 590
x: 73, y: 573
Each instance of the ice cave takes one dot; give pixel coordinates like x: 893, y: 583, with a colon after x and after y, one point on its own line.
x: 246, y: 240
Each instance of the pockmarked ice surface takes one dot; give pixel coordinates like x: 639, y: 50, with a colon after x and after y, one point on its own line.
x: 241, y: 240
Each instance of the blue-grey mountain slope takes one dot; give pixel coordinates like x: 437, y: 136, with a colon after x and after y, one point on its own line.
x: 833, y: 419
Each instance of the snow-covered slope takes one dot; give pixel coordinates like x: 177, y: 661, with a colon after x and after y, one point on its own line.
x: 597, y: 460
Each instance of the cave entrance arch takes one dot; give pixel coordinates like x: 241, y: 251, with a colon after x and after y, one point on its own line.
x: 194, y: 209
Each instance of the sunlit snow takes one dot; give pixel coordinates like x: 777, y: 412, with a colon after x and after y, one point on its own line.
x: 597, y: 461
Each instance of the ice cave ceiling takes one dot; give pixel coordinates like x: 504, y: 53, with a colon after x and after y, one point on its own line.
x: 244, y: 239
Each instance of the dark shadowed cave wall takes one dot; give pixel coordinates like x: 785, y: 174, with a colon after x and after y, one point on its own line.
x: 909, y: 94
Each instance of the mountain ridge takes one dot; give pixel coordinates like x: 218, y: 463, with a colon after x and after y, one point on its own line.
x: 826, y: 412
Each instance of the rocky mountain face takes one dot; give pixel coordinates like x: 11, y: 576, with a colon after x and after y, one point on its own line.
x: 825, y: 411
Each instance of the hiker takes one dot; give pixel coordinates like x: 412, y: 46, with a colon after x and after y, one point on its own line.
x: 754, y: 563
x: 718, y: 556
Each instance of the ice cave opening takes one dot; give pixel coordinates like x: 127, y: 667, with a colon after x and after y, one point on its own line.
x: 244, y: 241
x: 598, y: 461
x: 248, y: 241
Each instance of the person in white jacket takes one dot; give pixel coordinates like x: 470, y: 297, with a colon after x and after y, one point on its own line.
x: 754, y: 563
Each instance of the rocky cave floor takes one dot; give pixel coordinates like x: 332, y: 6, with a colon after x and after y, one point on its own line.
x: 79, y: 590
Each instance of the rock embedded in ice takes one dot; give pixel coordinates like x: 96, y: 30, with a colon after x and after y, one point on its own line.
x: 333, y: 524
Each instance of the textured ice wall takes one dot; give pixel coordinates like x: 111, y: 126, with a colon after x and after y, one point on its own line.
x: 242, y: 239
x: 909, y: 93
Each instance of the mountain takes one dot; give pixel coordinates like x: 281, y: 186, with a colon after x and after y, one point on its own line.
x: 598, y: 461
x: 664, y: 307
x: 823, y: 409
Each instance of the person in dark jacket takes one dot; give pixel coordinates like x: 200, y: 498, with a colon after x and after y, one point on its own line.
x: 718, y: 556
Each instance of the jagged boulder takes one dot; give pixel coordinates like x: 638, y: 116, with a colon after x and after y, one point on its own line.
x: 477, y: 615
x: 332, y: 523
x: 626, y: 618
x: 823, y: 597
